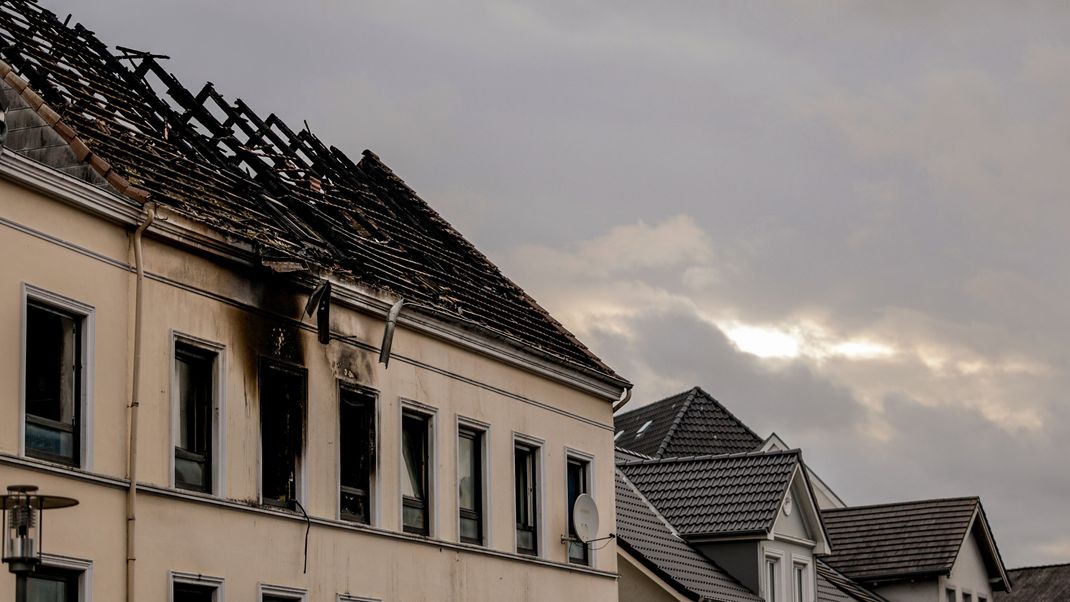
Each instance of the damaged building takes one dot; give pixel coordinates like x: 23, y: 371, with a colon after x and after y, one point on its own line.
x: 268, y: 371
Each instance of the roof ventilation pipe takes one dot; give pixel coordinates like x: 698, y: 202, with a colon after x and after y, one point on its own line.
x: 388, y: 333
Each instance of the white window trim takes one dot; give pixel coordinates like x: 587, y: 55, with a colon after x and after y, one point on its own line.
x: 292, y: 593
x: 431, y: 413
x: 301, y: 487
x: 809, y: 582
x: 375, y: 495
x: 85, y: 408
x: 349, y: 598
x: 217, y: 583
x: 778, y: 557
x: 575, y: 454
x: 79, y: 565
x: 540, y: 485
x: 219, y: 409
x: 485, y: 478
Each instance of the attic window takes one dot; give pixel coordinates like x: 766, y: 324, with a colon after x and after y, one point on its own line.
x: 643, y: 428
x: 618, y: 435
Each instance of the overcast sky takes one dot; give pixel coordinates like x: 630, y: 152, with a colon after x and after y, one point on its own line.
x: 847, y: 221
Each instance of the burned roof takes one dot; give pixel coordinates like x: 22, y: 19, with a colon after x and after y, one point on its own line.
x: 890, y: 542
x: 298, y: 202
x: 736, y: 494
x: 691, y: 423
x: 1049, y: 583
x: 644, y: 535
x: 834, y: 586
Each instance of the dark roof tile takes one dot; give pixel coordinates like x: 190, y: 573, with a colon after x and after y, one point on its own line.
x: 834, y: 586
x: 1038, y: 584
x: 716, y: 495
x: 643, y: 534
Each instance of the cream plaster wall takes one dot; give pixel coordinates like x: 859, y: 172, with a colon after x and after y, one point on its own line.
x: 253, y: 317
x: 969, y: 574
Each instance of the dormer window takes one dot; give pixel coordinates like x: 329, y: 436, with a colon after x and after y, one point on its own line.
x: 643, y: 428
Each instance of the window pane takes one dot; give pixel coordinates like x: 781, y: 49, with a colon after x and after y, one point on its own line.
x: 951, y: 597
x: 771, y: 593
x: 414, y: 452
x: 53, y: 358
x: 526, y: 488
x: 193, y: 593
x: 194, y: 379
x: 466, y: 472
x: 357, y: 449
x: 50, y: 585
x: 282, y: 412
x: 577, y: 484
x: 799, y: 584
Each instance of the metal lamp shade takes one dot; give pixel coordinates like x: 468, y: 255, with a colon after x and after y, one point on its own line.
x: 23, y: 521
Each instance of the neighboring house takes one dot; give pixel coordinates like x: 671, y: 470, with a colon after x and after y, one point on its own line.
x: 1049, y: 583
x: 925, y: 550
x: 276, y: 458
x: 716, y: 483
x: 752, y: 515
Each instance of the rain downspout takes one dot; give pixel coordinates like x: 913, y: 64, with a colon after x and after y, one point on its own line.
x: 620, y: 404
x: 131, y: 450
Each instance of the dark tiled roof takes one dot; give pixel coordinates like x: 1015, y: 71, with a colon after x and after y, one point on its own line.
x: 691, y: 423
x: 834, y: 586
x: 889, y: 541
x: 716, y: 495
x: 644, y: 535
x: 297, y: 202
x: 1038, y: 584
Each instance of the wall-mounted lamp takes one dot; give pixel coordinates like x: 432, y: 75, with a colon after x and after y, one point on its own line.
x: 24, y: 519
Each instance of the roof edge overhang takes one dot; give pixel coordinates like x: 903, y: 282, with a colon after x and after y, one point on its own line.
x: 183, y: 232
x: 726, y: 537
x: 895, y: 577
x: 636, y: 557
x: 990, y: 550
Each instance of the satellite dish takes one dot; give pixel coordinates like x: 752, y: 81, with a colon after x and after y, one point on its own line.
x: 585, y: 518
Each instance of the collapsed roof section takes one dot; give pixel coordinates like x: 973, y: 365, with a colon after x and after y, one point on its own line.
x: 299, y: 203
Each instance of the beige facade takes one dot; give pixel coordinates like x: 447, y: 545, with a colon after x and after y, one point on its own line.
x: 66, y: 241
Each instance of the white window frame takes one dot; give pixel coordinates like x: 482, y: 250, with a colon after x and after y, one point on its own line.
x: 539, y: 446
x: 351, y: 598
x: 575, y: 454
x: 431, y: 414
x: 374, y: 496
x: 87, y: 313
x: 282, y: 591
x: 83, y: 567
x: 301, y: 486
x: 219, y: 409
x: 777, y: 557
x: 485, y: 478
x: 809, y: 584
x: 216, y: 583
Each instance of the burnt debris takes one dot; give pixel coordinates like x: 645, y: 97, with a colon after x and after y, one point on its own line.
x: 302, y: 204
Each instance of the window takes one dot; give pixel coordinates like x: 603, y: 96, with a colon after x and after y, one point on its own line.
x: 799, y: 583
x: 189, y: 592
x: 967, y: 597
x: 772, y: 583
x: 415, y: 506
x: 577, y: 475
x: 951, y: 595
x: 55, y: 358
x: 277, y: 593
x: 470, y: 484
x: 282, y: 431
x: 48, y: 584
x: 356, y: 453
x: 194, y: 396
x: 526, y: 490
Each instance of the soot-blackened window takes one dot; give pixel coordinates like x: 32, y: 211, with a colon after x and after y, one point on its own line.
x: 357, y: 453
x: 195, y: 380
x: 415, y: 506
x: 53, y: 384
x: 282, y: 431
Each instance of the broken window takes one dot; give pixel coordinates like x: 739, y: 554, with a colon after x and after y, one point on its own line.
x: 195, y: 383
x: 415, y: 430
x: 526, y: 489
x: 53, y: 384
x: 470, y: 484
x: 577, y: 485
x: 282, y: 429
x: 357, y: 453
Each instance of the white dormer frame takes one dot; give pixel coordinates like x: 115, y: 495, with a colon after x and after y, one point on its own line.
x: 810, y: 514
x: 773, y: 443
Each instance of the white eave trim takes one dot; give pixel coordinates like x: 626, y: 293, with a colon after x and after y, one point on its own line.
x: 179, y: 229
